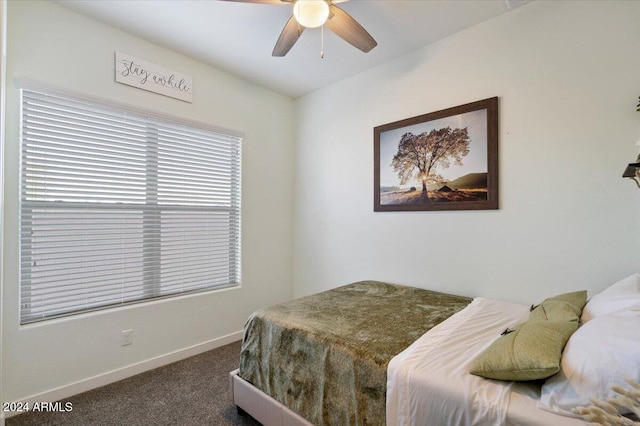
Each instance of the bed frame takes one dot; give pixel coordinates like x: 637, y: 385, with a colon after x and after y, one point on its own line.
x: 261, y: 406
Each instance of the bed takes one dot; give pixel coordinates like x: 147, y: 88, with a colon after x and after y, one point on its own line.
x: 373, y: 353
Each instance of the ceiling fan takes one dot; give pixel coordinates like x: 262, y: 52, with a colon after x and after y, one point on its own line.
x: 312, y: 14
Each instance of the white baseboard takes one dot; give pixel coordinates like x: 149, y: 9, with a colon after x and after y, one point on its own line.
x: 104, y: 379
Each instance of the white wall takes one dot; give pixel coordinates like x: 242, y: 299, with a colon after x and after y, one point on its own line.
x: 56, y: 358
x: 3, y: 64
x: 568, y: 78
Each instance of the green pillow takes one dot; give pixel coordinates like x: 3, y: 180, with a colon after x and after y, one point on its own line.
x: 532, y: 351
x: 564, y: 307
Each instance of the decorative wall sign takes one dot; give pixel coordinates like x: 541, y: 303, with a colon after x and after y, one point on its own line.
x: 444, y: 160
x: 154, y: 78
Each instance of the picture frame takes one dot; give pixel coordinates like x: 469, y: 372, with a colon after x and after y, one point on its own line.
x: 443, y: 160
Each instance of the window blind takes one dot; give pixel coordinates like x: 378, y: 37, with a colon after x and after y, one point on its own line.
x: 119, y: 206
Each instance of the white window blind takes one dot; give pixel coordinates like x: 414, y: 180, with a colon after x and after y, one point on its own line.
x: 119, y: 206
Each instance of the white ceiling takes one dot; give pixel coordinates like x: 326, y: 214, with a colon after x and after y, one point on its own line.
x: 238, y: 37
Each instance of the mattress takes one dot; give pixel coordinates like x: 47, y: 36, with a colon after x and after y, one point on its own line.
x: 325, y: 356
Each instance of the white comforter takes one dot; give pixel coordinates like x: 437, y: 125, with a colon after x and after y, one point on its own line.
x: 429, y: 382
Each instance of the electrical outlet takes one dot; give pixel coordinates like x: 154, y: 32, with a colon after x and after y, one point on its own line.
x: 126, y: 337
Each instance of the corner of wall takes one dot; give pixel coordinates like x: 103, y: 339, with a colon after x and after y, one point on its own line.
x: 3, y: 55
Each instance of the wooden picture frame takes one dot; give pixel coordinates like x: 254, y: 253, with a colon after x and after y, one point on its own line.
x: 443, y: 160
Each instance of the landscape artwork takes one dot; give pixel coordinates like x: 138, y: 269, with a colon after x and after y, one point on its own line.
x: 444, y: 160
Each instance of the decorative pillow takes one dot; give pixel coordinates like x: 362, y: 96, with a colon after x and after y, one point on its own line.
x: 621, y: 295
x: 602, y: 353
x: 531, y: 351
x: 564, y: 307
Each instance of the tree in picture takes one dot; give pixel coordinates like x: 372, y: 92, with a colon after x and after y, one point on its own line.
x: 419, y: 156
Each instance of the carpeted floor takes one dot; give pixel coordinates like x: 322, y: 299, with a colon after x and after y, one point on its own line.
x: 193, y: 391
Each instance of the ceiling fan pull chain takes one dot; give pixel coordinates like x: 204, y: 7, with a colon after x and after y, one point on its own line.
x: 322, y: 42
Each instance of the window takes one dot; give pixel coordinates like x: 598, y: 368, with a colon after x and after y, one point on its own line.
x: 119, y: 206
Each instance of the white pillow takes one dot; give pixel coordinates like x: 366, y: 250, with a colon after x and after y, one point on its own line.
x: 623, y: 294
x: 602, y: 353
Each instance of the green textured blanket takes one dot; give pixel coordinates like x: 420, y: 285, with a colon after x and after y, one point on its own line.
x: 325, y: 356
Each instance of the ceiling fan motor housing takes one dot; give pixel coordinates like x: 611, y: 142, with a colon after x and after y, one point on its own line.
x: 311, y: 13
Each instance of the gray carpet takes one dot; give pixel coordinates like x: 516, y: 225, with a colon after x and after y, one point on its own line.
x: 189, y: 392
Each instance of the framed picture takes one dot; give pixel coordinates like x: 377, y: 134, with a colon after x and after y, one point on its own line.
x: 444, y: 160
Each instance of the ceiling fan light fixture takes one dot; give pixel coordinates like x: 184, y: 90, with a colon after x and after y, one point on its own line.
x: 311, y: 13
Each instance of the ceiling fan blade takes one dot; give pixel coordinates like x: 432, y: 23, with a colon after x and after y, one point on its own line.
x: 288, y: 37
x: 341, y: 23
x: 262, y: 1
